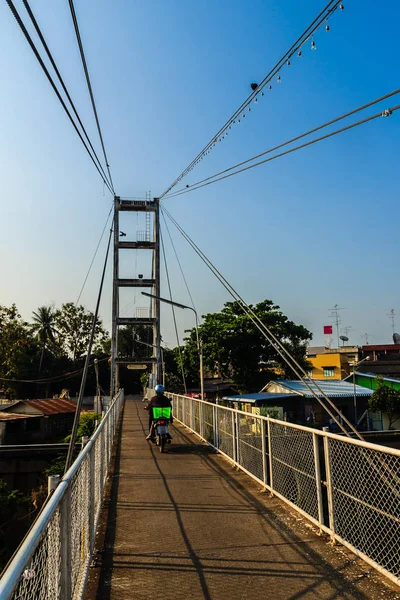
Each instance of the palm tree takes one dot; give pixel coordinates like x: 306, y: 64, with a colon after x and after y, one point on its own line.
x: 43, y: 327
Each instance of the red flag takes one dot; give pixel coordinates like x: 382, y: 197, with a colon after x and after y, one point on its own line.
x: 327, y: 329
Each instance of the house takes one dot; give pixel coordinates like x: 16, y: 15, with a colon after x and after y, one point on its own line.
x: 379, y: 420
x: 16, y: 428
x: 329, y: 365
x: 214, y: 387
x: 55, y: 420
x: 302, y: 406
x: 352, y: 353
x: 260, y: 403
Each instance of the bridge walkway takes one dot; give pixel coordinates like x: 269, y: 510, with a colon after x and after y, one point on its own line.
x: 185, y: 525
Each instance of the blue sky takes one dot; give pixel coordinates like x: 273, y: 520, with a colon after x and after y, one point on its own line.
x: 314, y: 229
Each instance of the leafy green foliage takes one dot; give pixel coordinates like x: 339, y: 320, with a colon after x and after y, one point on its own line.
x: 74, y: 325
x: 43, y: 328
x: 386, y: 400
x: 234, y: 348
x: 87, y: 425
x: 13, y: 507
x: 17, y: 351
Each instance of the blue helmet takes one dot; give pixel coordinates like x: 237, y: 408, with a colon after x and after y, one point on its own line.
x: 159, y: 388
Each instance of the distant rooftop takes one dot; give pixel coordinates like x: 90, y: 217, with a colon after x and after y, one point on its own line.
x: 332, y: 389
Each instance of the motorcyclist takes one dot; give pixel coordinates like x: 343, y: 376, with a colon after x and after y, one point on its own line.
x: 157, y: 401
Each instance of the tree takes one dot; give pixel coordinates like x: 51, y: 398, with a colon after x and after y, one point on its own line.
x: 17, y: 351
x: 74, y: 325
x: 386, y: 400
x: 234, y: 348
x: 44, y: 329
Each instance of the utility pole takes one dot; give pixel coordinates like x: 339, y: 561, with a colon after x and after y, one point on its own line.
x: 335, y: 315
x: 391, y: 316
x: 143, y: 241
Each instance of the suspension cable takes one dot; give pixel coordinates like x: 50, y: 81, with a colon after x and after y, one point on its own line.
x: 295, y: 139
x: 55, y: 378
x: 322, y: 18
x: 71, y: 448
x: 85, y: 68
x: 179, y: 262
x: 94, y: 256
x: 173, y: 314
x: 38, y: 57
x: 271, y: 338
x: 387, y: 112
x: 38, y: 30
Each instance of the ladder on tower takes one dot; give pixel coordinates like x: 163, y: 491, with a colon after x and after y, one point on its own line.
x: 148, y: 218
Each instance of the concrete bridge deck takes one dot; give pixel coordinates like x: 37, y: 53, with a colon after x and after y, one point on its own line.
x: 186, y: 525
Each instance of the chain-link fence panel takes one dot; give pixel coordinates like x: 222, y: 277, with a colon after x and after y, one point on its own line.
x: 249, y: 436
x: 208, y: 423
x: 365, y: 486
x: 225, y: 428
x: 293, y: 466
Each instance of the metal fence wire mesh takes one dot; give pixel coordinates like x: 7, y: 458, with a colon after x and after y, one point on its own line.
x: 226, y: 438
x: 250, y: 444
x: 293, y: 466
x: 365, y: 487
x: 57, y: 552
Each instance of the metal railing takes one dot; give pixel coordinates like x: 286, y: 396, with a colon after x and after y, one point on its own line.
x: 53, y: 561
x: 348, y: 488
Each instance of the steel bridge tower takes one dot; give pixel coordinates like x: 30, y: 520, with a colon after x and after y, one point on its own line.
x: 143, y: 242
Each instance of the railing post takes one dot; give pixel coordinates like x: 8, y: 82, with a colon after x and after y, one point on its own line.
x: 184, y: 411
x: 318, y: 480
x: 192, y: 415
x: 201, y: 418
x: 92, y: 497
x: 264, y: 452
x: 237, y: 437
x: 271, y: 478
x: 234, y: 437
x: 215, y: 426
x: 65, y: 546
x: 329, y: 485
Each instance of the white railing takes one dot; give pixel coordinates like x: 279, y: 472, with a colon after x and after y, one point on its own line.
x: 347, y: 488
x: 53, y: 561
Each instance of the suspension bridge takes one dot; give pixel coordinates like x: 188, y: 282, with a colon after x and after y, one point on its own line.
x: 242, y: 505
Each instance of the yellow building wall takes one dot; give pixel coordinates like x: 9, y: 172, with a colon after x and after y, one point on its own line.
x: 337, y: 362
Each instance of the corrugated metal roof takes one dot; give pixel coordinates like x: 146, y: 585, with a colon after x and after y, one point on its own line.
x: 5, y: 416
x: 51, y: 406
x: 332, y: 389
x: 257, y: 397
x: 372, y: 376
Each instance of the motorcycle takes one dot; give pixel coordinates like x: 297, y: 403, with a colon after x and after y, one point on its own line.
x: 162, y: 417
x: 162, y: 433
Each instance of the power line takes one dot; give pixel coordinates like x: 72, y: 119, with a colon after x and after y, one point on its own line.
x: 94, y: 256
x: 387, y: 112
x: 295, y: 139
x: 33, y: 19
x: 270, y: 337
x: 38, y: 57
x: 322, y: 18
x: 85, y: 68
x: 66, y: 375
x: 173, y: 313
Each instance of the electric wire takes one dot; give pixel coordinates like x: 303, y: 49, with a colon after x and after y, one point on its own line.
x: 39, y: 59
x: 271, y: 338
x: 87, y: 362
x: 173, y: 314
x: 94, y: 256
x: 66, y: 375
x: 295, y: 139
x: 179, y: 262
x: 41, y: 37
x: 385, y: 113
x: 322, y: 17
x: 85, y: 68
